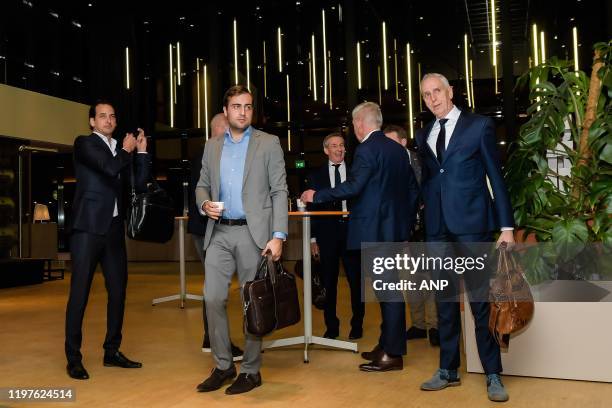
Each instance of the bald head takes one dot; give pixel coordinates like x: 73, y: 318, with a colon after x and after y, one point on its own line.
x: 218, y: 125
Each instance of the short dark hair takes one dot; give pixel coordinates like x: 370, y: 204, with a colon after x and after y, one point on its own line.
x: 401, y: 132
x: 234, y: 91
x: 92, y: 108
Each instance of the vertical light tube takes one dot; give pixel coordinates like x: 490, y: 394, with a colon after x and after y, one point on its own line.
x: 575, y: 40
x: 310, y: 71
x: 178, y: 63
x: 235, y: 52
x: 288, y: 116
x: 329, y: 71
x: 494, y: 29
x: 265, y: 64
x: 248, y: 70
x: 384, y: 39
x: 324, y: 58
x: 171, y: 84
x: 467, y: 70
x: 409, y: 86
x: 358, y: 65
x: 205, y: 80
x: 420, y: 99
x: 543, y: 46
x: 395, y: 63
x: 314, y: 67
x: 127, y: 68
x: 199, y: 105
x: 472, y: 83
x: 280, y: 49
x: 536, y: 53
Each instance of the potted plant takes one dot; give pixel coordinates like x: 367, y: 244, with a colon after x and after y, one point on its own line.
x: 559, y: 172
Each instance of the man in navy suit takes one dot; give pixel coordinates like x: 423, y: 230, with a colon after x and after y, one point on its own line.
x: 385, y: 194
x: 329, y: 240
x: 458, y: 153
x: 98, y: 232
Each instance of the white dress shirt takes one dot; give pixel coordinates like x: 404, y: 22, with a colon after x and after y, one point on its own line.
x: 452, y: 117
x: 332, y: 178
x: 368, y: 135
x: 112, y: 145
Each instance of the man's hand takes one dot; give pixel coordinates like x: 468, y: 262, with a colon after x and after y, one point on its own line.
x: 308, y: 196
x: 507, y: 237
x: 141, y: 141
x: 211, y: 210
x: 314, y: 249
x: 275, y: 248
x: 129, y: 143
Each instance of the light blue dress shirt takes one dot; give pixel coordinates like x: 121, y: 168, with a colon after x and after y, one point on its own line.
x: 233, y: 158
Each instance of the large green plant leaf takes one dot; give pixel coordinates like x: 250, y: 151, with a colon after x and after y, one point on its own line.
x: 569, y: 237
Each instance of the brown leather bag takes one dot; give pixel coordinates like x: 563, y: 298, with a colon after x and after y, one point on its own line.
x: 270, y: 301
x: 511, y: 300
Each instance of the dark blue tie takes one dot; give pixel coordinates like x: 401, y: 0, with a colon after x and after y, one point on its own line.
x: 441, y: 142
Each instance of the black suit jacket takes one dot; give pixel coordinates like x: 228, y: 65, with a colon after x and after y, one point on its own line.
x: 324, y: 226
x: 100, y: 178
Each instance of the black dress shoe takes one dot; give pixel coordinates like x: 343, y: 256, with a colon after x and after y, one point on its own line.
x: 119, y: 360
x: 206, y: 345
x: 356, y: 333
x: 374, y: 354
x: 384, y: 363
x: 416, y: 333
x: 434, y: 337
x: 77, y: 371
x: 217, y: 378
x: 331, y: 334
x: 244, y: 383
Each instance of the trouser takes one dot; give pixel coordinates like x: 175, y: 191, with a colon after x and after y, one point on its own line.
x: 449, y: 316
x: 231, y: 249
x: 87, y: 250
x: 423, y: 312
x: 198, y: 242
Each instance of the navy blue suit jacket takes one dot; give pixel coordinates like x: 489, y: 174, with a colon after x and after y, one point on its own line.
x: 455, y: 190
x: 99, y: 178
x: 383, y: 190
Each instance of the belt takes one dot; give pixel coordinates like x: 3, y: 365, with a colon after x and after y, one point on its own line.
x: 231, y: 223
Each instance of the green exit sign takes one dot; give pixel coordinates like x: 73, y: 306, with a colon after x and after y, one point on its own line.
x: 300, y: 164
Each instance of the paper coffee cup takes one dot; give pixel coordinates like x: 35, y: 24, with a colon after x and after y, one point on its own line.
x: 219, y: 204
x: 301, y: 205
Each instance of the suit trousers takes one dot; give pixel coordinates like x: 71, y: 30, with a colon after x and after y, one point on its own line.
x: 423, y: 313
x: 449, y: 316
x: 198, y: 242
x: 87, y: 250
x: 332, y: 247
x: 231, y: 248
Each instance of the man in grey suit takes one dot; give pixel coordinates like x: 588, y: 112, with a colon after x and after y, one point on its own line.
x: 245, y: 170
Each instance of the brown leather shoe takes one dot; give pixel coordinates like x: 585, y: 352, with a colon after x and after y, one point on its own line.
x: 374, y: 354
x: 383, y: 363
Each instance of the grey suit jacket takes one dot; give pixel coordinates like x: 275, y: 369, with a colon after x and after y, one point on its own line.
x: 264, y: 185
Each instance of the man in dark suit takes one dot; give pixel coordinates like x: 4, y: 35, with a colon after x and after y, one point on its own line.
x: 459, y: 153
x: 423, y: 314
x: 196, y: 224
x: 329, y: 240
x: 385, y: 193
x: 98, y: 230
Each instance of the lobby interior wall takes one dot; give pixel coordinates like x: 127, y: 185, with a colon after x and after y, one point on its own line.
x: 34, y: 116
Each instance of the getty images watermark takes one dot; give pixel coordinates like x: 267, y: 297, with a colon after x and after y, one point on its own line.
x: 448, y: 271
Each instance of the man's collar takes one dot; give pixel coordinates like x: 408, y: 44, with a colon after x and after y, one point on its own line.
x: 113, y: 142
x: 368, y: 135
x: 331, y: 163
x: 245, y: 135
x: 453, y: 114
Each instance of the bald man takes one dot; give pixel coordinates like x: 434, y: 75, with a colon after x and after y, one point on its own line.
x: 196, y: 225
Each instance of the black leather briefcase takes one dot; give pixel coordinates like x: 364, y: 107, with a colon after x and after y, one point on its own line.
x: 270, y: 301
